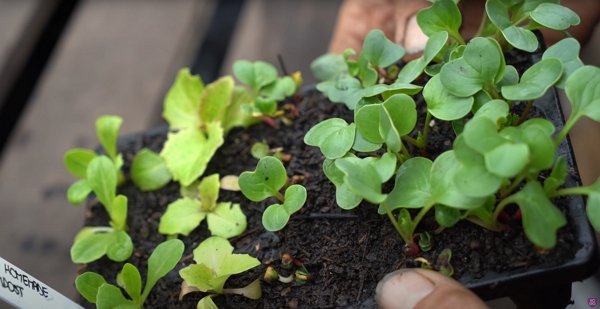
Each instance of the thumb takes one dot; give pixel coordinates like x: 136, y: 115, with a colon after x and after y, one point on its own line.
x: 423, y: 289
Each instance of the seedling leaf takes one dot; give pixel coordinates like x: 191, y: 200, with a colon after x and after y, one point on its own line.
x: 567, y: 51
x: 345, y: 89
x: 149, y: 171
x: 107, y: 129
x: 132, y: 281
x: 380, y: 51
x: 118, y: 215
x: 162, y: 260
x: 333, y: 136
x: 555, y: 16
x: 79, y: 191
x: 476, y: 70
x: 268, y: 178
x: 367, y: 123
x: 507, y: 160
x: 328, y: 66
x: 87, y: 285
x: 209, y: 191
x: 280, y: 88
x: 535, y: 81
x: 363, y: 145
x: 412, y: 188
x: 102, y: 178
x: 120, y: 248
x: 90, y: 247
x: 207, y: 303
x: 442, y: 15
x: 215, y: 99
x: 276, y: 216
x: 446, y: 216
x: 187, y: 152
x: 110, y: 297
x: 557, y: 176
x: 518, y: 37
x: 541, y: 219
x: 442, y: 104
x: 181, y: 217
x: 362, y: 178
x: 77, y: 160
x: 226, y: 220
x: 182, y: 102
x: 235, y: 116
x: 256, y: 75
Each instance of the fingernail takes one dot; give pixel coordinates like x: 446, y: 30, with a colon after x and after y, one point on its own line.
x: 414, y: 39
x: 402, y: 289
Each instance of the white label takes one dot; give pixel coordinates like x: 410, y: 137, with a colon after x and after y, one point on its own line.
x: 24, y: 291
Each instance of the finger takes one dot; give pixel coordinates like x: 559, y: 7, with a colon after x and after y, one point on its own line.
x: 407, y: 31
x: 423, y: 289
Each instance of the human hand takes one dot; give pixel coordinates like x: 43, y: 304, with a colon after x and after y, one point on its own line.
x: 423, y: 289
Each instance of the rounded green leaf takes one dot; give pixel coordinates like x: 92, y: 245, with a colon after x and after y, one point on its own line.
x: 411, y: 71
x: 328, y: 66
x: 87, y: 285
x: 412, y: 188
x: 493, y: 110
x: 555, y: 16
x: 259, y: 150
x: 567, y: 51
x: 385, y: 166
x: 511, y: 77
x: 295, y: 196
x: 557, y: 176
x: 254, y: 74
x: 90, y: 247
x: 266, y: 106
x: 583, y: 90
x: 215, y: 99
x: 280, y: 89
x: 403, y: 112
x: 102, y: 178
x: 275, y: 217
x: 442, y: 104
x: 181, y: 217
x: 366, y: 73
x: 212, y: 251
x: 535, y: 81
x: 507, y: 160
x: 78, y: 191
x: 208, y: 191
x: 268, y: 178
x: 367, y: 123
x: 77, y: 160
x: 110, y: 297
x: 477, y: 68
x: 345, y: 198
x: 481, y: 135
x: 481, y: 98
x: 388, y: 90
x: 120, y: 248
x: 442, y: 15
x: 363, y: 145
x: 465, y: 154
x: 207, y: 303
x: 332, y: 172
x: 541, y: 147
x: 362, y: 178
x: 334, y: 136
x: 516, y: 36
x: 380, y: 51
x: 149, y: 171
x: 107, y: 129
x: 446, y: 216
x: 345, y: 89
x: 118, y: 214
x: 475, y: 181
x: 226, y: 220
x: 434, y: 45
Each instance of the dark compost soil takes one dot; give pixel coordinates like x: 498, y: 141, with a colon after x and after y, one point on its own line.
x: 348, y: 252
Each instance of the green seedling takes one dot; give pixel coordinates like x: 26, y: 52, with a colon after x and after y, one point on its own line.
x: 77, y: 160
x: 261, y: 149
x: 91, y: 243
x: 199, y: 117
x: 267, y: 88
x: 96, y: 290
x: 215, y: 263
x: 266, y: 181
x: 425, y: 241
x: 497, y: 153
x: 199, y: 202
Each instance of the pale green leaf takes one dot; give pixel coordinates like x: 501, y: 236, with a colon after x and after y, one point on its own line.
x: 107, y: 129
x: 149, y: 171
x: 333, y: 136
x: 110, y: 297
x: 442, y: 104
x: 268, y: 178
x: 254, y: 74
x: 181, y: 217
x: 226, y: 220
x: 87, y: 285
x: 132, y: 281
x: 90, y: 247
x: 280, y: 88
x: 182, y: 102
x: 77, y: 160
x: 208, y: 191
x: 412, y: 188
x: 215, y: 99
x: 362, y: 178
x: 583, y: 91
x: 380, y: 51
x: 118, y: 214
x: 567, y: 51
x: 367, y: 123
x: 507, y: 160
x: 162, y: 260
x: 442, y: 15
x: 78, y: 191
x: 102, y: 178
x: 555, y: 16
x: 535, y: 81
x: 120, y: 248
x: 328, y: 66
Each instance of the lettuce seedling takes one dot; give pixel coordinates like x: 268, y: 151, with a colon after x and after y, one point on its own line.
x: 77, y: 160
x: 96, y: 290
x: 215, y: 263
x: 496, y: 153
x: 91, y: 243
x: 266, y: 87
x: 266, y: 181
x: 199, y: 117
x: 199, y: 201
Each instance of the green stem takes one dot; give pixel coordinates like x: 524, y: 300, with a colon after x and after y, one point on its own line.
x: 411, y: 140
x: 405, y: 151
x: 279, y: 197
x: 407, y: 238
x: 566, y: 33
x: 493, y: 92
x: 526, y: 112
x: 426, y: 129
x: 483, y: 224
x: 520, y: 21
x: 570, y: 191
x: 514, y: 185
x: 499, y: 209
x: 484, y: 22
x: 398, y: 156
x: 565, y: 130
x: 420, y: 216
x: 456, y: 36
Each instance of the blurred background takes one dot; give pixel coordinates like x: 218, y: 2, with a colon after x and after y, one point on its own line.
x: 63, y: 63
